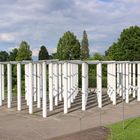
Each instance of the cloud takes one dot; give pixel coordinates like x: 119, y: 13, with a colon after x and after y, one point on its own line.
x: 7, y: 37
x: 43, y: 22
x: 35, y: 52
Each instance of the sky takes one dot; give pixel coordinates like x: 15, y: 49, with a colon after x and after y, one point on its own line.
x: 43, y: 22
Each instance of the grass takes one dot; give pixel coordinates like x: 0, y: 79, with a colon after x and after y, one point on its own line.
x: 129, y: 130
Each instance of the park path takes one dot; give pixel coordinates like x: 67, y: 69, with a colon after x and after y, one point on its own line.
x: 16, y: 125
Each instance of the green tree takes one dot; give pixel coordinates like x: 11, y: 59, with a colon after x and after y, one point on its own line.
x: 24, y: 52
x: 13, y: 54
x: 84, y: 46
x: 43, y: 53
x: 68, y: 47
x: 97, y: 56
x: 4, y: 56
x: 127, y: 47
x: 53, y: 56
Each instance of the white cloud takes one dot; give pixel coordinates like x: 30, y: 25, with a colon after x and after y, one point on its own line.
x: 43, y: 22
x: 35, y: 52
x: 7, y: 37
x: 11, y: 48
x: 51, y: 50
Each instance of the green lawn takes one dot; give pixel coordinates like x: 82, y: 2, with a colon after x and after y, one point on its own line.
x: 131, y: 130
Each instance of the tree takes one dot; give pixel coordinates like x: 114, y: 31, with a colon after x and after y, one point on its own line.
x: 43, y: 53
x: 115, y: 52
x: 4, y: 56
x: 127, y: 47
x: 13, y: 54
x: 68, y: 47
x: 24, y: 52
x: 53, y: 56
x: 84, y: 46
x: 97, y: 56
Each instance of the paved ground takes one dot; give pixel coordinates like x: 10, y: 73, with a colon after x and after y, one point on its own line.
x: 16, y: 125
x: 97, y: 133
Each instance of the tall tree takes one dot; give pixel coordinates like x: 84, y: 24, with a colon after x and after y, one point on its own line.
x: 127, y: 47
x: 4, y: 56
x: 43, y: 53
x: 68, y: 47
x: 24, y: 52
x: 84, y: 46
x: 13, y: 54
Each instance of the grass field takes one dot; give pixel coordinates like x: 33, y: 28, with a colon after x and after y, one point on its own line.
x: 129, y: 130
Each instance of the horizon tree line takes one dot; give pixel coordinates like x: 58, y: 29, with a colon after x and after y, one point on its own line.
x: 127, y: 47
x: 68, y: 47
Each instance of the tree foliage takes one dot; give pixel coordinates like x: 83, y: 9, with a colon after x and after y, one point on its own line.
x: 84, y: 46
x: 97, y: 56
x: 4, y: 56
x: 127, y: 47
x: 68, y: 47
x: 43, y: 53
x: 53, y: 56
x: 24, y: 52
x: 13, y: 54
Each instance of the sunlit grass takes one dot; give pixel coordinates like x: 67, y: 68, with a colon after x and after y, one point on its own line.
x: 129, y: 130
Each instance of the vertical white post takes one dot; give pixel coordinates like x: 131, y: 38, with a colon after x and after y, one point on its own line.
x: 114, y: 83
x: 65, y: 70
x: 69, y: 85
x: 56, y: 83
x: 60, y: 82
x: 44, y: 90
x: 99, y: 84
x: 27, y: 83
x: 121, y: 80
x: 9, y: 84
x: 30, y: 88
x: 35, y: 88
x: 51, y: 86
x: 127, y: 83
x: 124, y: 80
x: 18, y: 86
x: 134, y: 79
x: 118, y: 84
x: 74, y: 81
x: 130, y: 81
x: 41, y: 82
x: 109, y: 76
x: 111, y: 82
x: 108, y: 79
x: 138, y: 81
x: 25, y: 75
x: 38, y: 86
x: 77, y: 89
x: 84, y: 85
x: 72, y: 88
x: 63, y: 80
x: 0, y: 84
x: 3, y: 92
